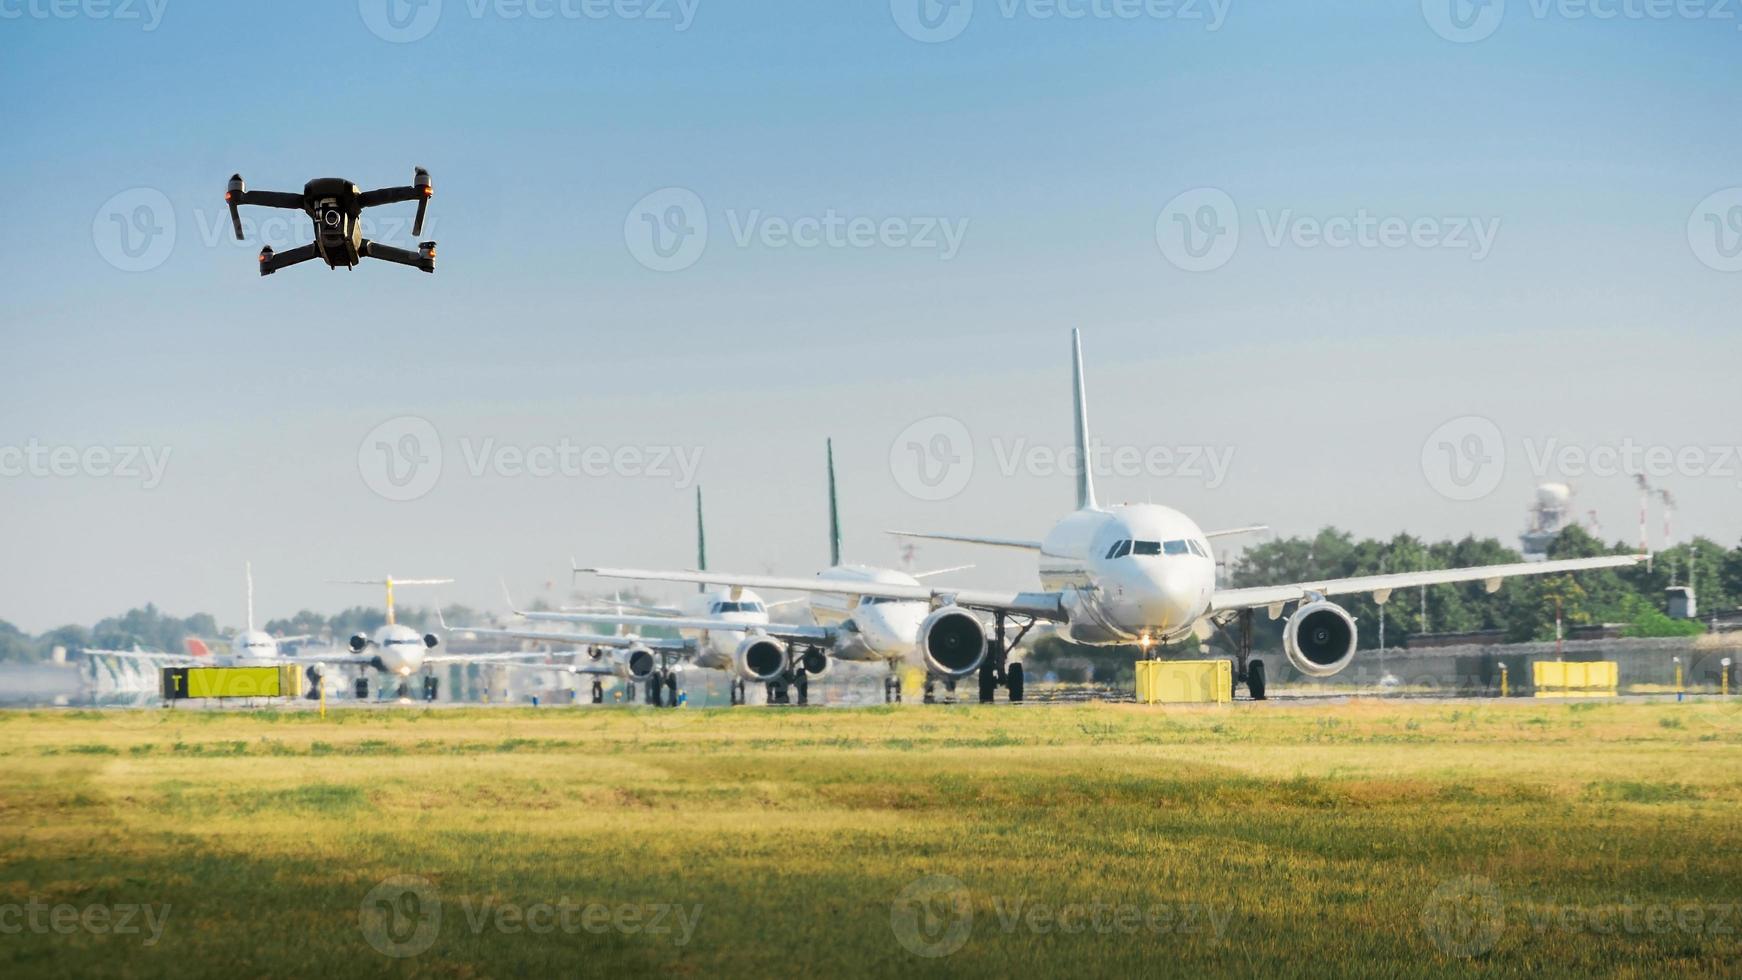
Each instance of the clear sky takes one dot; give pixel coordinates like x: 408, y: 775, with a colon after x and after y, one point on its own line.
x: 1459, y: 227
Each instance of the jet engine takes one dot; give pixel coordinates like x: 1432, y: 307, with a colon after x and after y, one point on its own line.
x: 430, y: 640
x: 1319, y: 638
x: 814, y: 662
x: 359, y: 641
x: 953, y: 642
x: 760, y: 659
x: 633, y: 663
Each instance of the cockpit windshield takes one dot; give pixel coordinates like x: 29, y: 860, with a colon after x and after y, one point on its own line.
x: 747, y: 606
x: 1179, y: 546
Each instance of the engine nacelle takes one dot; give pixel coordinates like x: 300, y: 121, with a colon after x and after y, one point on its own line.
x: 815, y: 663
x: 760, y: 659
x: 953, y: 642
x: 359, y: 641
x: 634, y: 663
x: 430, y: 640
x: 1319, y: 638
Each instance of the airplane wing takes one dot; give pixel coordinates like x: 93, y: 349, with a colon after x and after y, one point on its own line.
x: 1381, y: 585
x: 1022, y: 543
x: 579, y: 639
x: 162, y: 658
x: 1224, y: 532
x: 1041, y: 605
x: 781, y: 631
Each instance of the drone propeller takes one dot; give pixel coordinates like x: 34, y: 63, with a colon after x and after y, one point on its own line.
x: 421, y: 181
x: 232, y: 196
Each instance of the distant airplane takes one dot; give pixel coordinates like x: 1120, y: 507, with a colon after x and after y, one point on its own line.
x: 726, y: 630
x: 1122, y: 574
x: 859, y: 628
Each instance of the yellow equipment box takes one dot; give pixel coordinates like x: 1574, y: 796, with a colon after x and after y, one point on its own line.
x: 231, y: 682
x: 1185, y: 681
x: 1559, y: 679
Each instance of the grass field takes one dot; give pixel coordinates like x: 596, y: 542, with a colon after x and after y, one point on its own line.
x: 1384, y: 839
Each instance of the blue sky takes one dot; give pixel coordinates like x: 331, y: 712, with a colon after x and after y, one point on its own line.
x: 1055, y: 148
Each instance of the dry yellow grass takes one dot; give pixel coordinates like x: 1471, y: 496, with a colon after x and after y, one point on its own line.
x: 1367, y: 837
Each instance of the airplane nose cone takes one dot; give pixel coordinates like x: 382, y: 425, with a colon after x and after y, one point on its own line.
x: 1166, y: 598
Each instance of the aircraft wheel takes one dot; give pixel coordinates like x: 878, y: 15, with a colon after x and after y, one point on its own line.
x: 362, y: 689
x: 598, y: 692
x: 804, y: 689
x: 1013, y: 681
x: 1255, y: 680
x: 988, y: 684
x: 654, y: 691
x: 671, y: 687
x: 931, y: 693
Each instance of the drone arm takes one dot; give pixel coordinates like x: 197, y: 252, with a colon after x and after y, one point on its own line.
x: 271, y: 261
x: 423, y: 258
x: 419, y: 190
x: 238, y: 194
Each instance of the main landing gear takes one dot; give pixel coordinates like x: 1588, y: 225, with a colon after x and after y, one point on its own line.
x: 1248, y: 670
x: 793, y: 688
x: 598, y: 692
x: 999, y: 670
x: 891, y: 690
x: 431, y: 687
x: 662, y: 688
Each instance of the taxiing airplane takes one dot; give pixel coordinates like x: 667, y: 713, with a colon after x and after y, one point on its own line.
x: 1124, y: 574
x: 724, y: 629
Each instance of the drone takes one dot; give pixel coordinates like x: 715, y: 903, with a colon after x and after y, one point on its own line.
x: 335, y: 205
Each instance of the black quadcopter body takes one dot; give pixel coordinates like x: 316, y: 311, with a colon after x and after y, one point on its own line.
x: 335, y: 205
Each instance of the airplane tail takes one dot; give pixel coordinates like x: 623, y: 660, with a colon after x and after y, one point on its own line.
x: 701, y: 541
x: 834, y: 511
x: 1085, y: 479
x: 390, y: 582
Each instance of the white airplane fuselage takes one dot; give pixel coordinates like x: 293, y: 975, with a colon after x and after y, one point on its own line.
x: 1114, y: 594
x: 716, y: 649
x: 400, y: 649
x: 871, y: 628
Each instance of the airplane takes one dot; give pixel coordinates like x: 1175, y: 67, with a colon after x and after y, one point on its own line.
x: 335, y: 205
x: 850, y: 627
x: 249, y: 648
x: 720, y: 629
x: 1124, y: 574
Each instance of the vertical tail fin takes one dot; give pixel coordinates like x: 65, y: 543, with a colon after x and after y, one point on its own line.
x: 834, y: 512
x: 248, y: 574
x: 701, y: 541
x: 1085, y: 479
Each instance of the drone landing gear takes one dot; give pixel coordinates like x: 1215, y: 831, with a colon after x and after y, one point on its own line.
x: 423, y: 258
x: 271, y: 261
